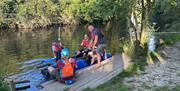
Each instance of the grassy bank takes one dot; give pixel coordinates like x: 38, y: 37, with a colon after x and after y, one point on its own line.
x: 167, y: 88
x: 3, y: 84
x: 115, y: 84
x: 169, y: 39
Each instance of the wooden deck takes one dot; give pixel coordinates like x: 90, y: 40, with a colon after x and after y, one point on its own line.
x: 90, y: 76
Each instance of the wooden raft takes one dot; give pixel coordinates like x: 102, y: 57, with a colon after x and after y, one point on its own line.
x: 90, y: 76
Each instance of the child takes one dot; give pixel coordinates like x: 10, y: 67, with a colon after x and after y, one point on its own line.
x: 85, y: 42
x: 66, y: 66
x: 56, y: 48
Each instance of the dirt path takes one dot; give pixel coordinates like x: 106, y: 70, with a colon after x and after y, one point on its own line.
x: 89, y: 77
x: 159, y: 75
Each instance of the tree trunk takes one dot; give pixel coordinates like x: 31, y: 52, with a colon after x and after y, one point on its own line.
x: 144, y: 18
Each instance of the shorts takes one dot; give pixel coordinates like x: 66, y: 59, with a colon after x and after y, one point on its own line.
x: 100, y: 48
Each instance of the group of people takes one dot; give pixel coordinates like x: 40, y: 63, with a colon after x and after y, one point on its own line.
x: 65, y: 66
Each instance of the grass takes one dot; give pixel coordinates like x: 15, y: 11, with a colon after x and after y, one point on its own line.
x: 170, y: 39
x: 167, y: 88
x: 3, y: 84
x: 115, y: 84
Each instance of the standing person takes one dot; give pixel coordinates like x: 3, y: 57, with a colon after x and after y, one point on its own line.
x: 97, y: 40
x: 57, y: 48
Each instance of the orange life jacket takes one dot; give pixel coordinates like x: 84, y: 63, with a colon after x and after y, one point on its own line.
x: 67, y: 70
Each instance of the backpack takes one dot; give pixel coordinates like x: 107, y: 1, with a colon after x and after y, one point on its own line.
x: 57, y: 47
x: 67, y: 70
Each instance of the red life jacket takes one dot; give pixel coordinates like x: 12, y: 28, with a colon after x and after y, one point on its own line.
x: 86, y: 42
x: 58, y: 47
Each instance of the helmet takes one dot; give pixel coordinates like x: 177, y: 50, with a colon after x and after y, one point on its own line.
x: 65, y: 52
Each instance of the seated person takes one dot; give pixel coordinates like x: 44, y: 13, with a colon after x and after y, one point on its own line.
x: 51, y: 71
x: 85, y: 43
x: 66, y: 66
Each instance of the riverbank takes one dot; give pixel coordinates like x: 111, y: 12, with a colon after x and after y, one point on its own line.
x: 159, y: 75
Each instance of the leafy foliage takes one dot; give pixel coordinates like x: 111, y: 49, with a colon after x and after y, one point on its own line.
x: 34, y: 13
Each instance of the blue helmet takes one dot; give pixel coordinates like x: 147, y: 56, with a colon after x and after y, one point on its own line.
x: 65, y: 52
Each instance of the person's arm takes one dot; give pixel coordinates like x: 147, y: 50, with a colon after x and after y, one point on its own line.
x: 53, y: 49
x: 81, y: 43
x: 95, y: 42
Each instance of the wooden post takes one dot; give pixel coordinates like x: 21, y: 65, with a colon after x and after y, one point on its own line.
x: 59, y: 33
x: 13, y: 88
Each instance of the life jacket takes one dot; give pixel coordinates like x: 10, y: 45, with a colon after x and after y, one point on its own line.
x: 67, y: 70
x: 58, y: 47
x: 86, y: 42
x: 92, y: 36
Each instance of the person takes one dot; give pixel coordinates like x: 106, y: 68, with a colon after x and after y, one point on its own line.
x: 56, y: 48
x: 52, y: 71
x: 83, y: 51
x: 66, y: 66
x: 85, y: 42
x: 97, y: 40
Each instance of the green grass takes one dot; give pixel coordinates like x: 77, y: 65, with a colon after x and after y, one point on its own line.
x: 115, y: 84
x: 3, y: 84
x: 167, y: 88
x: 170, y: 39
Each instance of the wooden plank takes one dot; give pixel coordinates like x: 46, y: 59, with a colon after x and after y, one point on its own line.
x: 100, y: 77
x: 90, y: 77
x: 23, y: 88
x: 43, y: 65
x: 21, y: 81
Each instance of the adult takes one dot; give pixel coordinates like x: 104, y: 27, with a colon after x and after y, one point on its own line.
x: 97, y: 40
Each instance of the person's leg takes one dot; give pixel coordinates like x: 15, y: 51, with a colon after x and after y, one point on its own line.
x: 57, y: 75
x: 99, y: 51
x: 59, y: 55
x: 56, y: 57
x: 98, y: 59
x: 105, y: 55
x: 92, y: 60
